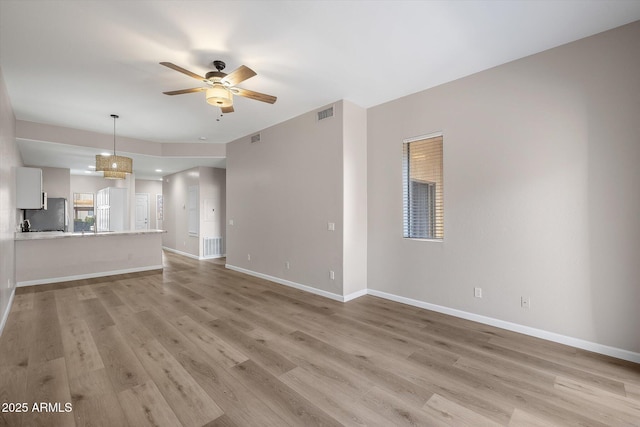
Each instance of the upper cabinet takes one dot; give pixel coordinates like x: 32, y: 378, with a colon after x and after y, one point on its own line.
x: 29, y: 188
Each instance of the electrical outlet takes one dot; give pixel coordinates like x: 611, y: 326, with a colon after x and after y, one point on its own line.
x: 248, y: 257
x: 331, y: 226
x: 477, y: 292
x: 525, y: 302
x: 332, y: 275
x: 230, y: 222
x: 287, y: 265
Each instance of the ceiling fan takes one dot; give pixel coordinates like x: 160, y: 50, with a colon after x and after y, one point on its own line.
x: 220, y: 87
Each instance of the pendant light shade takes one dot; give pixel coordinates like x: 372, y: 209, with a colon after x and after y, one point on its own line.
x: 114, y: 166
x: 114, y: 175
x: 219, y: 96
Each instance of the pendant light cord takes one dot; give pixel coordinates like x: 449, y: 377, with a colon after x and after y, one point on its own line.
x: 115, y: 116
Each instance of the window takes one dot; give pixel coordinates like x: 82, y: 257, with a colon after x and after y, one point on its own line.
x: 422, y: 188
x: 83, y: 216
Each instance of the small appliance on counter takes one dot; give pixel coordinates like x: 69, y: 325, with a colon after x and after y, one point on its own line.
x: 25, y: 226
x: 54, y: 218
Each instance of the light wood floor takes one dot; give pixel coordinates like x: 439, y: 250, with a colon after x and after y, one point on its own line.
x: 201, y: 345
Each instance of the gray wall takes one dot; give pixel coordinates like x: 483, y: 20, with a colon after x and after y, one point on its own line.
x: 9, y: 160
x: 281, y: 194
x: 541, y: 181
x: 284, y: 190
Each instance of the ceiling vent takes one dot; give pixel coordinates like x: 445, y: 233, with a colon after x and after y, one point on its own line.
x: 255, y: 138
x: 325, y: 114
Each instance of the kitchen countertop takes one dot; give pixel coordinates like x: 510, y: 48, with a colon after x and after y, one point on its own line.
x: 40, y: 235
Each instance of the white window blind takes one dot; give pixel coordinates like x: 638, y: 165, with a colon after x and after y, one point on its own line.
x: 423, y: 189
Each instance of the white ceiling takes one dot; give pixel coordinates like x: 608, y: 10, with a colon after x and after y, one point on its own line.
x: 73, y: 63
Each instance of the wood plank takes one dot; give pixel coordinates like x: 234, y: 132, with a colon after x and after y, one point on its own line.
x: 69, y: 309
x: 239, y: 403
x: 47, y: 338
x: 508, y: 397
x: 398, y: 412
x: 80, y: 350
x: 340, y: 405
x: 292, y: 407
x: 107, y: 296
x: 221, y: 421
x: 22, y: 302
x: 144, y: 405
x: 121, y: 364
x: 187, y: 399
x: 47, y: 384
x: 17, y: 339
x: 207, y: 341
x: 134, y: 295
x: 453, y: 414
x: 96, y: 315
x: 619, y: 410
x: 349, y: 382
x: 408, y: 390
x: 13, y: 389
x: 632, y: 391
x: 270, y: 359
x: 85, y: 292
x: 94, y: 401
x: 521, y: 418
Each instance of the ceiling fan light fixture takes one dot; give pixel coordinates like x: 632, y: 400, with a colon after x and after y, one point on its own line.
x: 219, y: 96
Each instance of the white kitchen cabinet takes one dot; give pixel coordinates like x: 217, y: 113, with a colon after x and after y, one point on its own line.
x: 29, y: 188
x: 111, y: 209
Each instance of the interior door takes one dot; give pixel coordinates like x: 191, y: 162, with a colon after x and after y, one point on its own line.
x: 142, y: 211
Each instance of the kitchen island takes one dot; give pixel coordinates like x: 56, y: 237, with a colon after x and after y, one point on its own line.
x: 50, y: 257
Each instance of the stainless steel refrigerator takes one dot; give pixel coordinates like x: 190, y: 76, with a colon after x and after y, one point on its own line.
x: 54, y: 218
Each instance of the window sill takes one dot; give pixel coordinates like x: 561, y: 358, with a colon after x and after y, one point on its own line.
x: 423, y: 240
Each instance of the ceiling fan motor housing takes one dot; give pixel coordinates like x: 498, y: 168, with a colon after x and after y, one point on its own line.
x: 215, y: 75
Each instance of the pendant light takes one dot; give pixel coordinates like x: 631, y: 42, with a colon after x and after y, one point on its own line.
x: 114, y: 166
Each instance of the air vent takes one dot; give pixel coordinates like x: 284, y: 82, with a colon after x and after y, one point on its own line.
x: 255, y: 138
x: 325, y: 114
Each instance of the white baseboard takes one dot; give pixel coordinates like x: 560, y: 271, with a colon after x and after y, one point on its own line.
x: 289, y: 283
x: 88, y: 276
x: 175, y: 251
x: 526, y: 330
x: 192, y: 256
x: 213, y: 257
x: 5, y: 315
x: 355, y: 295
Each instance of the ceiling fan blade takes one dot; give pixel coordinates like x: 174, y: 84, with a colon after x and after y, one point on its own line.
x: 254, y: 95
x: 228, y: 109
x: 238, y: 75
x: 181, y: 91
x: 183, y: 71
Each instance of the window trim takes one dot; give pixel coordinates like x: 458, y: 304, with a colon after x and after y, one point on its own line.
x: 414, y: 139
